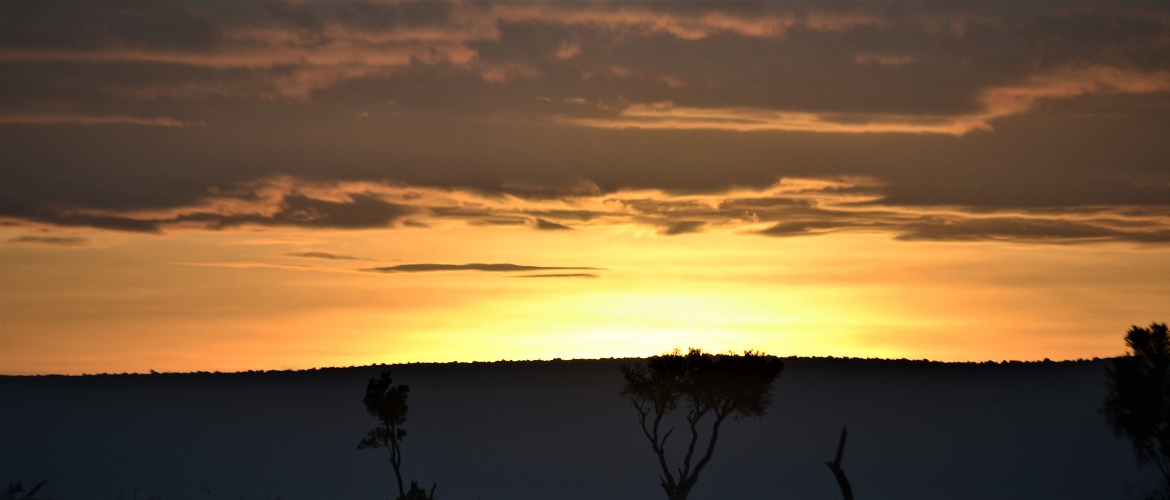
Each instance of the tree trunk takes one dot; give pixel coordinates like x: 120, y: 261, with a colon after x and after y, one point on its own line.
x: 396, y: 458
x: 398, y: 476
x: 676, y: 494
x: 838, y: 472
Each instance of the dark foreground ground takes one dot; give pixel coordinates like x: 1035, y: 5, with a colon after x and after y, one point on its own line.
x: 560, y: 430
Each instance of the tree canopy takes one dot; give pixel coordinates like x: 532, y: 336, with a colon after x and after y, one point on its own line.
x: 1138, y: 402
x: 715, y: 385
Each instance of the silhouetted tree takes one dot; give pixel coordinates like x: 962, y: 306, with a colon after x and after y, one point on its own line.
x: 387, y: 402
x: 719, y: 386
x: 838, y: 471
x: 1138, y: 403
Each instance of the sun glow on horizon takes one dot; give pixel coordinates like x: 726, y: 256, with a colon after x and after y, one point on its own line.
x: 855, y: 295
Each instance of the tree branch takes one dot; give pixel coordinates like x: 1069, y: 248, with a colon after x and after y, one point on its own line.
x: 719, y: 418
x: 693, y: 420
x: 838, y: 472
x: 659, y: 446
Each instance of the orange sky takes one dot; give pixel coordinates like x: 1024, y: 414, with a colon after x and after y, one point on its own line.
x: 249, y: 185
x: 235, y: 300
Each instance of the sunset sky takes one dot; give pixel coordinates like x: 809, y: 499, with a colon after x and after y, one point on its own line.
x: 192, y: 185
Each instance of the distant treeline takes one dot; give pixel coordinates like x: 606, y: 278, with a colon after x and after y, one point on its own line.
x: 800, y: 360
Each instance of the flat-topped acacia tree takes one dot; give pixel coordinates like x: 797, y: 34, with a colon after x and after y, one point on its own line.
x: 719, y: 386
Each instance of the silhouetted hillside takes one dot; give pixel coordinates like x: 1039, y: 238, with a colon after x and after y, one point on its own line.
x: 560, y: 429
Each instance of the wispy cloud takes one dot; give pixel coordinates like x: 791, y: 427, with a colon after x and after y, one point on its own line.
x: 883, y: 59
x: 685, y: 25
x: 252, y: 264
x: 563, y: 275
x: 68, y: 241
x: 546, y: 225
x: 322, y: 255
x: 80, y: 119
x: 496, y: 268
x: 998, y: 102
x: 268, y: 203
x: 684, y: 227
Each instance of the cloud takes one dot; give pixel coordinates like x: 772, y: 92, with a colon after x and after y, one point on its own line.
x: 568, y: 50
x: 883, y: 59
x: 564, y: 275
x: 498, y: 268
x: 998, y: 102
x: 501, y: 221
x: 293, y: 51
x: 685, y: 25
x: 801, y: 228
x: 356, y: 211
x: 77, y: 119
x: 949, y: 224
x: 68, y: 241
x: 1034, y: 229
x: 978, y: 119
x: 40, y: 214
x: 789, y: 208
x: 545, y: 225
x: 684, y: 227
x: 359, y: 211
x: 668, y: 116
x: 253, y: 265
x: 272, y: 202
x: 322, y: 255
x: 299, y: 241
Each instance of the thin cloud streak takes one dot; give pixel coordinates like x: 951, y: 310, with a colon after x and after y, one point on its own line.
x: 684, y: 227
x: 256, y: 265
x: 547, y: 225
x: 65, y: 241
x: 322, y: 255
x: 564, y: 275
x: 493, y: 268
x: 80, y: 119
x: 697, y: 26
x: 998, y: 102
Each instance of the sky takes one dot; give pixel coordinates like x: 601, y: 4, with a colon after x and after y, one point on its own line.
x: 193, y: 185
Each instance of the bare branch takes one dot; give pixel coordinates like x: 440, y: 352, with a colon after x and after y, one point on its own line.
x: 838, y: 472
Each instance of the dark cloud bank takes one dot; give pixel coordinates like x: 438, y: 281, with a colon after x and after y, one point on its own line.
x: 1053, y: 108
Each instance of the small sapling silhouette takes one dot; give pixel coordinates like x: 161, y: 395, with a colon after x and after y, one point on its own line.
x: 387, y: 403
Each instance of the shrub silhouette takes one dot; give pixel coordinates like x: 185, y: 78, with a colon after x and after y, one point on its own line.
x: 387, y: 402
x: 416, y: 493
x: 719, y: 386
x: 1138, y: 402
x: 18, y: 487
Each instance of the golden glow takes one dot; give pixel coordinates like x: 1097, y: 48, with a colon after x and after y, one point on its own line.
x: 134, y: 303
